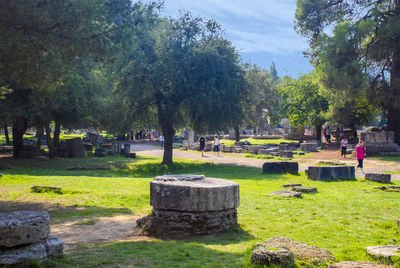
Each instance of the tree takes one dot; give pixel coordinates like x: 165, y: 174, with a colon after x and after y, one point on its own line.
x: 362, y: 53
x: 263, y: 94
x: 303, y: 102
x: 187, y: 74
x: 41, y: 42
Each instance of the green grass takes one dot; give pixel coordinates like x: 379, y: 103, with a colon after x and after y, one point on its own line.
x: 394, y: 171
x: 386, y: 158
x: 343, y: 217
x: 256, y: 141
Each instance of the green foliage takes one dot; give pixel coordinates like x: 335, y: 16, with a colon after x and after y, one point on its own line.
x: 355, y: 48
x: 263, y: 98
x: 303, y: 101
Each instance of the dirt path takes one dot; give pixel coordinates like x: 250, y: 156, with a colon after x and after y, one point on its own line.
x: 371, y: 166
x: 101, y: 229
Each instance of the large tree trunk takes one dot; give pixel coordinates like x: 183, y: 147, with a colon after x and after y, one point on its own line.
x: 393, y: 123
x: 39, y: 136
x: 19, y: 128
x: 393, y: 108
x: 318, y: 130
x: 56, y: 138
x: 6, y: 135
x: 168, y: 132
x: 236, y: 129
x: 49, y: 140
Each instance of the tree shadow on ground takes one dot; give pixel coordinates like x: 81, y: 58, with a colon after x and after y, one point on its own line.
x: 100, y: 167
x: 59, y: 214
x: 150, y: 254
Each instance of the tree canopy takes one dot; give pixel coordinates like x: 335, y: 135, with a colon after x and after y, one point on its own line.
x: 355, y: 47
x: 187, y: 74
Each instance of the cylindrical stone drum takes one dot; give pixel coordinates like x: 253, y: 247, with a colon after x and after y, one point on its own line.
x: 192, y: 204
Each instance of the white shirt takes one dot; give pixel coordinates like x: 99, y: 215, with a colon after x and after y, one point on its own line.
x: 161, y: 138
x: 216, y: 141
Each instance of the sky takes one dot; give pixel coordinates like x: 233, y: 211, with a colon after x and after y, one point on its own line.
x: 262, y: 30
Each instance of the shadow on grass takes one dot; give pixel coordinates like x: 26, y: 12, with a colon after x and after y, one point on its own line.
x: 149, y: 254
x: 62, y: 213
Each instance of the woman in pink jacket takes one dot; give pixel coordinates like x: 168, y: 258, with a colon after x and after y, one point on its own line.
x: 361, y: 153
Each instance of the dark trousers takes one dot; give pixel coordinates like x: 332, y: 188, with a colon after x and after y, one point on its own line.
x: 344, y: 151
x: 360, y: 163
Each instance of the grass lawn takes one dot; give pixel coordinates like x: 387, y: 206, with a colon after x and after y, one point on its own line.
x: 256, y: 141
x: 386, y: 158
x: 343, y: 217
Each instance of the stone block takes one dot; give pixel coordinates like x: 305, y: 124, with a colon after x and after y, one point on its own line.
x: 52, y: 247
x: 281, y: 167
x: 266, y: 256
x: 287, y: 154
x: 191, y: 204
x: 131, y: 155
x: 23, y: 227
x: 382, y: 178
x: 75, y: 147
x: 305, y: 189
x: 184, y: 223
x: 300, y: 250
x: 286, y: 193
x: 201, y: 194
x: 238, y: 150
x: 227, y: 149
x: 309, y: 147
x: 384, y: 253
x: 329, y: 173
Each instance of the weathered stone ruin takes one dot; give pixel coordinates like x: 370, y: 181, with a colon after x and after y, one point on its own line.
x: 191, y: 205
x: 24, y: 236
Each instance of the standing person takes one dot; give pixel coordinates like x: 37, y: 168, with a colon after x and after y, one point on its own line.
x: 324, y: 133
x: 328, y: 134
x: 161, y: 139
x: 216, y: 144
x: 202, y: 142
x: 361, y: 153
x: 343, y: 146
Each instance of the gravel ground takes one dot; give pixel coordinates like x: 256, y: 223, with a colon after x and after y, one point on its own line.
x: 370, y: 166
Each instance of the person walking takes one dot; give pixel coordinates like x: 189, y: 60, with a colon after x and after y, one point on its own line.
x: 161, y: 139
x: 328, y: 134
x: 202, y: 142
x: 343, y: 146
x: 216, y: 144
x: 361, y: 153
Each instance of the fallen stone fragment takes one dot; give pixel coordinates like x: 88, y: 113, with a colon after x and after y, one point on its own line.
x: 330, y: 173
x: 382, y: 178
x: 301, y: 251
x: 280, y: 167
x: 291, y: 185
x: 54, y: 247
x: 49, y: 248
x: 358, y: 264
x: 264, y: 255
x: 286, y: 193
x: 23, y: 227
x: 384, y: 252
x: 394, y: 187
x: 305, y: 189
